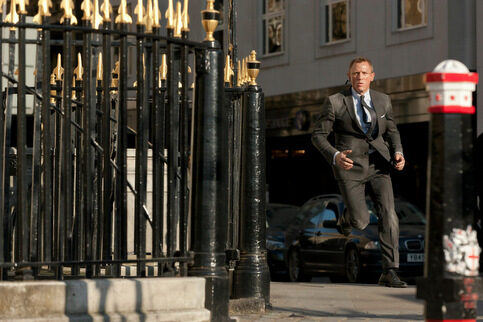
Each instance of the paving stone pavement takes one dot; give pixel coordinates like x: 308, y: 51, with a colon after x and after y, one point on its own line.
x: 322, y: 300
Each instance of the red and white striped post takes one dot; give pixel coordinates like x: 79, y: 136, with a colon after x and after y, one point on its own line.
x: 450, y: 283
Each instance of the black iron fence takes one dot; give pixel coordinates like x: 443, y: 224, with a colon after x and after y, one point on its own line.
x: 109, y: 175
x: 75, y: 196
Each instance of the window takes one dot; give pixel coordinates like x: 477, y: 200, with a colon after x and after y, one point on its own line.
x: 337, y: 22
x: 273, y: 26
x: 411, y: 13
x: 408, y: 20
x: 335, y: 32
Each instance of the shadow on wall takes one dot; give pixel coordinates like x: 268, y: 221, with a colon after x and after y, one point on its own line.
x: 80, y: 294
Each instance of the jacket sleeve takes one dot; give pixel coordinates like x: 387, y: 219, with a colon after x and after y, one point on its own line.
x: 391, y: 135
x: 322, y: 129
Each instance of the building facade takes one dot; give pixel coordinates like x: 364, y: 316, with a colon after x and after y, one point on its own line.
x: 305, y: 48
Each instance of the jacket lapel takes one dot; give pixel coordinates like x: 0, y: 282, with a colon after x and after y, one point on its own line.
x: 377, y: 104
x: 349, y: 103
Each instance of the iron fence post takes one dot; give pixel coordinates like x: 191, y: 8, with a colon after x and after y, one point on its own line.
x: 120, y: 240
x: 107, y: 180
x: 157, y: 133
x: 22, y: 221
x: 209, y: 218
x: 172, y: 143
x: 141, y: 153
x: 88, y: 120
x: 252, y: 277
x: 184, y: 152
x: 47, y: 150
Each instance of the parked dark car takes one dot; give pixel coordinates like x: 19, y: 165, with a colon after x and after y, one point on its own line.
x: 317, y: 248
x: 279, y: 217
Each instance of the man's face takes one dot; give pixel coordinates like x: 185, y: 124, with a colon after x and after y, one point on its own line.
x: 361, y: 76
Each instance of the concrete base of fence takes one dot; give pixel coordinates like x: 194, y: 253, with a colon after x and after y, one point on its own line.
x: 246, y: 306
x: 148, y: 299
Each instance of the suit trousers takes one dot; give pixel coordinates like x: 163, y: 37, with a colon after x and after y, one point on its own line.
x: 379, y: 187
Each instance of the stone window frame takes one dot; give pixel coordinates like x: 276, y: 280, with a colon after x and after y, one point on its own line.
x: 400, y: 18
x: 396, y: 35
x: 281, y: 57
x: 339, y: 47
x: 329, y: 22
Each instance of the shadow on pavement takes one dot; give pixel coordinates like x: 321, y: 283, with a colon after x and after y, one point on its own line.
x: 298, y: 312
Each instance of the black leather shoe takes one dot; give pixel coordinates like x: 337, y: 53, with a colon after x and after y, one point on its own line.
x: 342, y: 228
x: 390, y: 279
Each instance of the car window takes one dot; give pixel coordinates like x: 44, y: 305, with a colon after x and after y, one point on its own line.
x: 315, y: 219
x: 327, y: 214
x: 280, y: 215
x: 409, y: 214
x: 309, y: 211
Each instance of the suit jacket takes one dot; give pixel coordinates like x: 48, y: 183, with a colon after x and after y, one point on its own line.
x: 338, y: 115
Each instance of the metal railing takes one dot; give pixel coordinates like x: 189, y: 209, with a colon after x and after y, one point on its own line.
x: 103, y: 176
x: 71, y: 198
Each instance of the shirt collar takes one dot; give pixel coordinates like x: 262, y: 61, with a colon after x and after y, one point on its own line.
x: 367, y: 95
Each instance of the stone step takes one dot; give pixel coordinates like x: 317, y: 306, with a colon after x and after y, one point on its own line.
x: 137, y: 299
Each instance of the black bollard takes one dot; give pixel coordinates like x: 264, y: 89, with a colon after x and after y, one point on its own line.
x: 208, y: 208
x: 450, y: 284
x: 252, y: 276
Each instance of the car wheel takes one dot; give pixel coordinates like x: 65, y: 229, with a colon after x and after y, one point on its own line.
x: 295, y: 273
x: 352, y: 265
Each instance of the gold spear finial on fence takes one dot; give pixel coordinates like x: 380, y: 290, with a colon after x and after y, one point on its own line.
x: 135, y: 84
x: 228, y: 71
x: 178, y: 25
x: 21, y: 6
x: 73, y: 96
x: 2, y: 2
x: 246, y: 77
x: 115, y: 79
x: 238, y: 76
x: 44, y: 10
x: 79, y: 70
x: 149, y: 18
x: 123, y: 16
x: 68, y: 5
x: 58, y: 70
x: 185, y: 17
x: 99, y: 68
x: 243, y: 65
x: 86, y: 6
x: 170, y: 15
x: 156, y: 14
x: 52, y: 92
x: 96, y: 15
x: 12, y: 16
x: 163, y: 69
x: 106, y: 10
x: 139, y: 10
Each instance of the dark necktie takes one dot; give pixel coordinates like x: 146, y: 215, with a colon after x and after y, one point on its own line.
x: 372, y: 122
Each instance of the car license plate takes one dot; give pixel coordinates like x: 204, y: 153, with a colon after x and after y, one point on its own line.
x: 415, y: 258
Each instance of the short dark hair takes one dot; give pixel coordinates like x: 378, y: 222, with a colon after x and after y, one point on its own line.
x: 361, y: 59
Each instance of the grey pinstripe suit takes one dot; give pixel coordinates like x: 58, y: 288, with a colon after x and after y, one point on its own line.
x: 338, y: 116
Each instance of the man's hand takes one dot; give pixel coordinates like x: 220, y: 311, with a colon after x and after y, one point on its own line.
x: 399, y: 161
x: 343, y: 161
